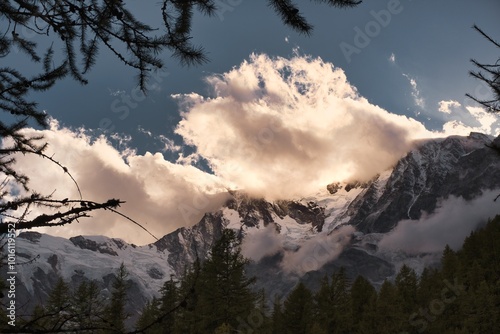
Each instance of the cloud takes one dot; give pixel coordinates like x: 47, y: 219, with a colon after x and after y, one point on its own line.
x: 168, y: 144
x: 447, y: 106
x: 472, y: 119
x: 415, y: 92
x: 162, y: 196
x: 264, y: 242
x: 392, y: 58
x: 449, y: 224
x: 286, y: 127
x: 315, y: 252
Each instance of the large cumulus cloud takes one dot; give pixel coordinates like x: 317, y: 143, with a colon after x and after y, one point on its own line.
x: 283, y: 127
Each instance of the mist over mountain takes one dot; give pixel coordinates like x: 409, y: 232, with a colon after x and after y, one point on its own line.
x: 435, y: 195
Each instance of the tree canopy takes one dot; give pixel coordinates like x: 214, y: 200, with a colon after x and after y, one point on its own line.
x: 489, y: 74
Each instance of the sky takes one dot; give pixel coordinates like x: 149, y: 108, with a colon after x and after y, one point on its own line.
x: 273, y: 112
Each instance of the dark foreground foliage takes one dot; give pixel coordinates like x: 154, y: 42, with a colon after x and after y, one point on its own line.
x: 462, y: 296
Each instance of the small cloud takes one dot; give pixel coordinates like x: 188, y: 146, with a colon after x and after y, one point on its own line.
x: 415, y: 92
x: 447, y: 106
x: 392, y: 58
x: 169, y: 144
x: 262, y: 243
x: 116, y: 92
x: 317, y: 251
x: 287, y: 39
x: 146, y: 132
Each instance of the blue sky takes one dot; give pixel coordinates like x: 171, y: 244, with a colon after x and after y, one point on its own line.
x: 275, y: 113
x: 431, y: 42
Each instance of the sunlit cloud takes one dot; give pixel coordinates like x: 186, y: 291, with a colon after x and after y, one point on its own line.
x: 162, y: 196
x: 447, y: 106
x: 279, y: 127
x: 460, y: 120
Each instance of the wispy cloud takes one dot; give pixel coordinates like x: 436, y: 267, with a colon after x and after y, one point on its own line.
x: 415, y: 92
x: 315, y: 252
x: 168, y: 144
x: 454, y: 219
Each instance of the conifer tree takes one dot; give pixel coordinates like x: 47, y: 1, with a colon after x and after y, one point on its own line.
x: 323, y: 304
x: 115, y: 312
x: 56, y: 314
x: 278, y: 325
x: 224, y: 290
x: 87, y: 306
x: 449, y: 263
x: 150, y: 313
x: 168, y: 303
x: 388, y: 309
x: 363, y: 303
x: 298, y: 311
x: 339, y: 294
x: 406, y: 286
x: 187, y: 319
x: 429, y: 286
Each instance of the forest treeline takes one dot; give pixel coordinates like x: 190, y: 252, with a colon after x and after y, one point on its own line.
x: 462, y: 295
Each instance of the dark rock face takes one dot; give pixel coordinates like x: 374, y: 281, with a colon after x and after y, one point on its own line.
x: 185, y: 245
x: 455, y: 166
x: 52, y: 260
x: 119, y: 243
x: 31, y: 236
x: 154, y: 273
x: 333, y: 187
x: 252, y: 210
x: 84, y: 243
x: 309, y: 213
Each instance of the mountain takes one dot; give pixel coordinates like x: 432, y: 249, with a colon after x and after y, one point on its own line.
x: 288, y: 240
